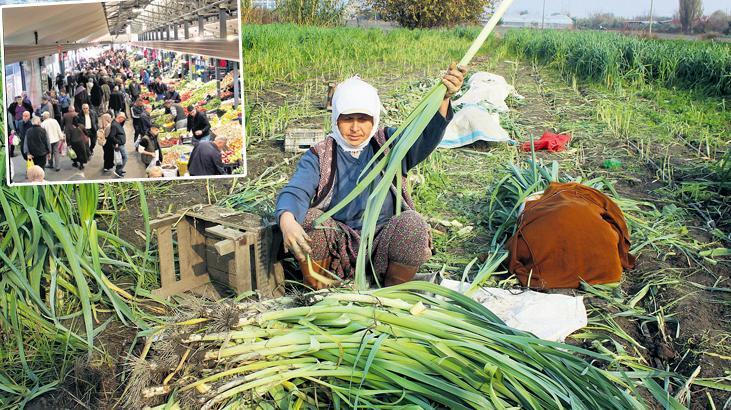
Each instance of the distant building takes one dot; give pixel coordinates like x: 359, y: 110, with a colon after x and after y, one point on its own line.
x: 264, y: 4
x: 556, y: 21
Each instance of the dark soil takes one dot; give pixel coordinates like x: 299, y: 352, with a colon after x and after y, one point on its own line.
x: 95, y: 383
x: 701, y: 316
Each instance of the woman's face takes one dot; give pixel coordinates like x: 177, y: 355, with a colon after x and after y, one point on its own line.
x: 355, y: 128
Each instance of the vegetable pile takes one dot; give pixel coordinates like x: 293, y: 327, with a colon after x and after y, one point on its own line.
x: 390, y: 348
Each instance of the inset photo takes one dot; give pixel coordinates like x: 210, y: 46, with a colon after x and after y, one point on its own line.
x: 122, y: 91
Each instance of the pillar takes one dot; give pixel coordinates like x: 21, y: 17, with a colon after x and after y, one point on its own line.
x: 201, y: 22
x: 222, y: 22
x: 237, y: 90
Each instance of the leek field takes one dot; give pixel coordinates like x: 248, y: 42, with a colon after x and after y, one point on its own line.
x: 80, y: 328
x: 659, y: 107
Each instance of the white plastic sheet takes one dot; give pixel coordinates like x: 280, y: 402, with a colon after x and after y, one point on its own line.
x: 488, y: 88
x: 479, y: 108
x: 548, y: 316
x: 473, y: 123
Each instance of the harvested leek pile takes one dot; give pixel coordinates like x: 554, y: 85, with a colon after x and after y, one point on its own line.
x: 390, y: 348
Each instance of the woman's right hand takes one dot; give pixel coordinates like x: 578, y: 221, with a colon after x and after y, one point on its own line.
x: 296, y: 239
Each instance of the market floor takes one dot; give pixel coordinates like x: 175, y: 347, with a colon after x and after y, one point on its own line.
x: 93, y: 170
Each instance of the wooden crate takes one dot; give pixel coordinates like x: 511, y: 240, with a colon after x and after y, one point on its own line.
x: 301, y: 139
x: 217, y: 248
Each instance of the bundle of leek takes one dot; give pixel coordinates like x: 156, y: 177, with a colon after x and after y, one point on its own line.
x: 389, y: 348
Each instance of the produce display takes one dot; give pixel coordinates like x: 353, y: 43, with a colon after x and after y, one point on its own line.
x: 168, y: 140
x: 163, y: 120
x: 224, y: 118
x: 235, y: 150
x: 230, y: 130
x: 171, y: 156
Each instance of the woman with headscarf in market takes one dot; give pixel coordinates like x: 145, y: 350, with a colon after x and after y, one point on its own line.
x: 330, y: 170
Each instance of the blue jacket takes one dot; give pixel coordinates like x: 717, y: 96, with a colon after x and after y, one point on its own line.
x: 297, y: 196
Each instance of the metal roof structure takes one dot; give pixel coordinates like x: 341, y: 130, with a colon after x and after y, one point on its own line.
x: 149, y: 15
x: 43, y: 29
x: 50, y: 24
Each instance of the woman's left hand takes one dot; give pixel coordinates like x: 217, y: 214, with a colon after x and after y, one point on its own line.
x: 453, y: 79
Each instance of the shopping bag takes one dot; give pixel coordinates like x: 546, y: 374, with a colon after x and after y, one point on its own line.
x: 153, y: 162
x: 72, y: 153
x: 117, y: 157
x: 29, y: 163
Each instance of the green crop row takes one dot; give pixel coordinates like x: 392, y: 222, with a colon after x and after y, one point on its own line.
x: 615, y: 59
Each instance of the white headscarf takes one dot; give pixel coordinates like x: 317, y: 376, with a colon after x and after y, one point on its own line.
x: 355, y: 96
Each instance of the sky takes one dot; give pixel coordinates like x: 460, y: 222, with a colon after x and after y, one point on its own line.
x: 624, y: 8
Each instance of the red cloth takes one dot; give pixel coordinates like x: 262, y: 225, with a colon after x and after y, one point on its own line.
x: 549, y: 141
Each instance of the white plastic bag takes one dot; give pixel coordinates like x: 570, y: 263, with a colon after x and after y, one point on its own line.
x: 487, y: 88
x: 153, y: 162
x: 473, y: 123
x: 117, y: 157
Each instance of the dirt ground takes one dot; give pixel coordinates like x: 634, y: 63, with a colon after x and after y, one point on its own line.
x: 703, y: 315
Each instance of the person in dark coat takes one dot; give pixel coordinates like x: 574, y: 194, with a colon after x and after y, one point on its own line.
x: 57, y: 114
x: 160, y: 89
x: 206, y: 158
x: 151, y: 145
x: 70, y: 118
x: 199, y: 125
x: 136, y: 111
x: 11, y: 139
x: 116, y: 141
x: 16, y: 110
x: 59, y: 82
x: 134, y: 90
x: 79, y: 141
x: 96, y: 96
x: 23, y: 127
x: 36, y: 144
x: 26, y: 101
x: 89, y: 122
x: 70, y: 83
x: 146, y: 120
x: 81, y: 97
x: 81, y: 79
x: 172, y: 94
x: 178, y: 113
x: 116, y: 101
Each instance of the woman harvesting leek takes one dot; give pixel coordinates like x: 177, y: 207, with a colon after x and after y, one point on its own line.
x: 330, y: 170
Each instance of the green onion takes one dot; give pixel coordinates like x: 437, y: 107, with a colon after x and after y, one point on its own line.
x: 415, y: 344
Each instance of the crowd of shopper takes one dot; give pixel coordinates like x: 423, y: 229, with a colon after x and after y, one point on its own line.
x: 87, y: 108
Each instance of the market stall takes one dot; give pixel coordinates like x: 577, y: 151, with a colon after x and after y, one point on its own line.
x: 222, y: 112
